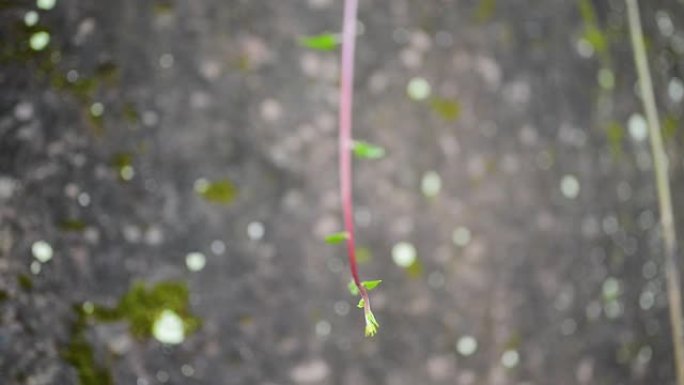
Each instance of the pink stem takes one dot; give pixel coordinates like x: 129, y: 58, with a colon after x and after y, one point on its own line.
x: 345, y: 141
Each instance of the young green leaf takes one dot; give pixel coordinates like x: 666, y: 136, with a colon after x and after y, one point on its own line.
x: 370, y: 285
x: 352, y: 288
x: 372, y: 324
x: 337, y: 238
x: 361, y: 303
x: 322, y: 42
x: 365, y: 150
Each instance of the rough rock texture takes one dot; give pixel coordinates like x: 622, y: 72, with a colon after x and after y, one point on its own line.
x: 541, y: 246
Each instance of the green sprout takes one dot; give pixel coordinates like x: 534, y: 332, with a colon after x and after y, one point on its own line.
x: 372, y: 324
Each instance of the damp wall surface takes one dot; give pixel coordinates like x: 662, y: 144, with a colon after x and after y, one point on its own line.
x: 168, y: 173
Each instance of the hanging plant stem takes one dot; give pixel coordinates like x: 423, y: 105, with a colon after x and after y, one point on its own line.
x: 346, y: 145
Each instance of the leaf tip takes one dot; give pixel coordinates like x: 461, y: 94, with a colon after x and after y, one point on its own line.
x: 336, y: 238
x: 322, y: 42
x: 372, y: 324
x: 365, y: 150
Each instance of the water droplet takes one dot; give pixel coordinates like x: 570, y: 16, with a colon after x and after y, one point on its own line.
x: 341, y: 308
x: 570, y: 186
x: 35, y: 267
x: 611, y: 288
x: 42, y: 251
x: 39, y: 40
x: 71, y: 190
x: 255, y: 231
x: 510, y: 359
x: 168, y: 328
x: 88, y: 307
x: 150, y: 118
x: 23, y: 111
x: 431, y: 184
x: 83, y: 199
x: 404, y: 254
x: 7, y: 187
x: 195, y: 261
x: 675, y: 90
x: 646, y: 300
x: 127, y: 172
x: 201, y: 185
x: 645, y: 354
x: 323, y: 328
x: 46, y: 4
x: 638, y: 128
x: 131, y: 233
x: 466, y: 345
x: 187, y: 370
x: 166, y: 61
x: 665, y: 24
x: 72, y: 76
x: 461, y: 236
x: 31, y: 18
x: 418, y: 89
x: 584, y: 48
x: 97, y: 109
x: 218, y: 247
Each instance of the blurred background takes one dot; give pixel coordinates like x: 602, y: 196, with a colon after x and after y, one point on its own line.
x: 168, y: 173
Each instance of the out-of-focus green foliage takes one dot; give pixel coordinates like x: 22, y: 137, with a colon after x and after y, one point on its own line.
x: 447, y: 109
x: 141, y: 307
x: 79, y: 353
x: 222, y: 191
